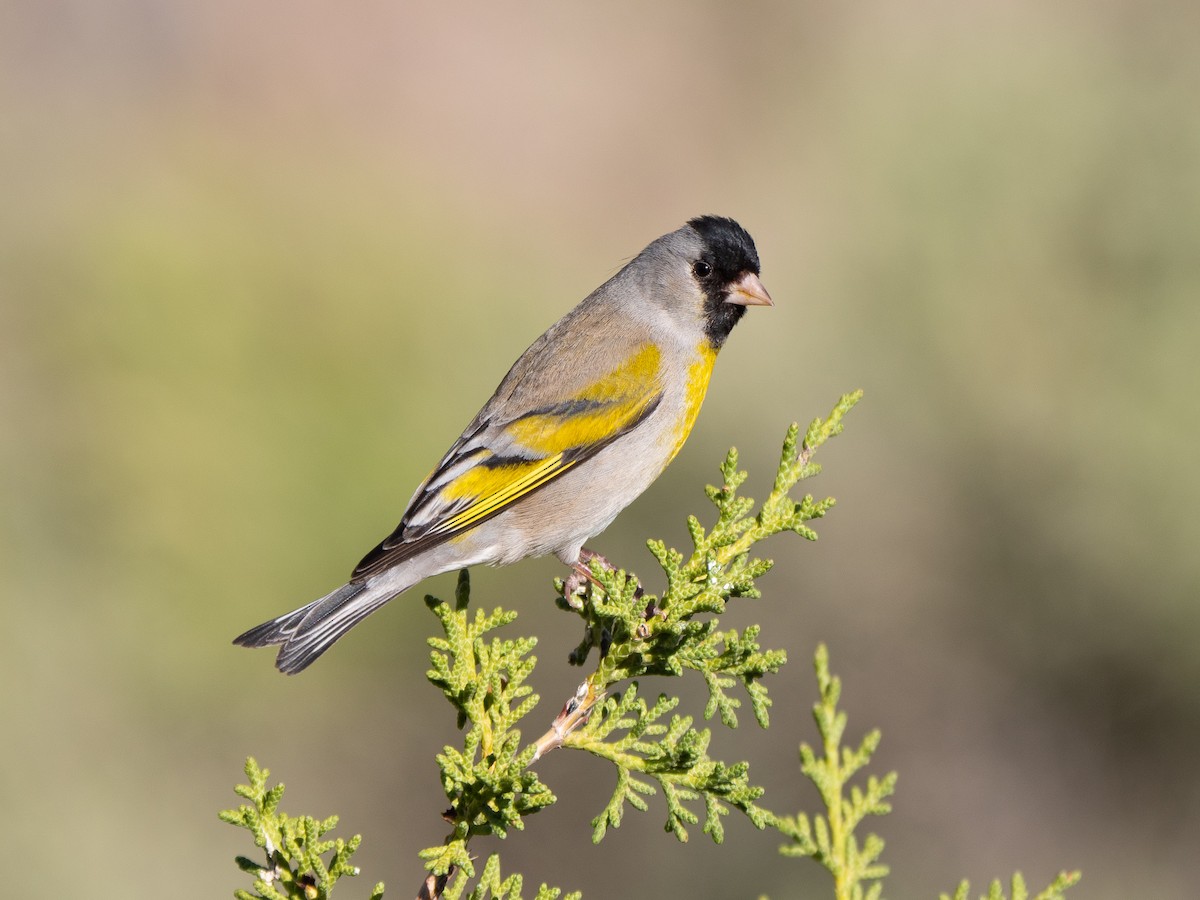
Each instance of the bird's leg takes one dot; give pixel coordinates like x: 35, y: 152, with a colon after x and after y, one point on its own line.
x: 581, y: 574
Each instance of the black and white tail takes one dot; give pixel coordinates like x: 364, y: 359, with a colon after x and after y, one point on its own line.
x: 309, y: 631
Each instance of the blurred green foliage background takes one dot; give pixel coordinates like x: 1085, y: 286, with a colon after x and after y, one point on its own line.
x: 259, y: 264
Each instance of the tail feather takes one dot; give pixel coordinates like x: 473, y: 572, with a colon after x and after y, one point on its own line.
x: 309, y: 631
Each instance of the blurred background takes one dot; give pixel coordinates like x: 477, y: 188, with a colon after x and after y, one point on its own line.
x: 260, y: 263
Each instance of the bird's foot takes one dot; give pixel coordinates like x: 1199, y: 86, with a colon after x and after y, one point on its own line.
x: 575, y: 586
x: 581, y: 578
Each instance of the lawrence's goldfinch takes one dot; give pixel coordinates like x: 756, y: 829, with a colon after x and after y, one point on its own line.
x: 582, y: 423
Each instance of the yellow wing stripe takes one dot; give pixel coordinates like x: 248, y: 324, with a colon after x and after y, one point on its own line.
x: 559, y: 434
x: 617, y: 398
x: 498, y: 486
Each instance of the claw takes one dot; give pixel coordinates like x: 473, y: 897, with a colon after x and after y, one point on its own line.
x: 575, y: 586
x: 581, y: 576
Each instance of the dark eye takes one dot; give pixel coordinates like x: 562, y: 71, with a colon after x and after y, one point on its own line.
x: 702, y: 269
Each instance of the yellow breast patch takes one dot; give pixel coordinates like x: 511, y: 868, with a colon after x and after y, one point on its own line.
x: 697, y: 386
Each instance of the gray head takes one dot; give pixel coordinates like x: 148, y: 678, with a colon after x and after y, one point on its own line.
x: 710, y: 263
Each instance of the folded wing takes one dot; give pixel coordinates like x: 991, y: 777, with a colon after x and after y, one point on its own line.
x: 497, y: 462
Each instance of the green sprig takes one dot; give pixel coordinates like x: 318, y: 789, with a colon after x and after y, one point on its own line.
x: 674, y: 755
x: 1018, y: 891
x: 295, y: 867
x: 831, y: 839
x: 491, y: 884
x: 488, y: 781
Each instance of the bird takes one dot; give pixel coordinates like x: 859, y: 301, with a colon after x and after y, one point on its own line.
x: 585, y: 420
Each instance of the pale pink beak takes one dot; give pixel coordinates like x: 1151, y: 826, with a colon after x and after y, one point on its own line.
x: 749, y: 291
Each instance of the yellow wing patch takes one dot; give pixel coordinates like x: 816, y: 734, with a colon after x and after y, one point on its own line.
x: 496, y: 487
x: 607, y: 407
x: 633, y: 377
x: 557, y: 434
